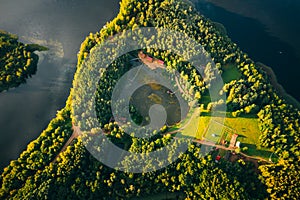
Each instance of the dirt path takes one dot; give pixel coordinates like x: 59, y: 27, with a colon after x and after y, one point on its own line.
x: 255, y: 158
x: 178, y: 85
x: 75, y: 134
x: 249, y: 158
x: 208, y: 143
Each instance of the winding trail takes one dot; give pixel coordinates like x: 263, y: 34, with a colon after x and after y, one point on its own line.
x: 75, y: 134
x: 256, y: 158
x: 178, y: 85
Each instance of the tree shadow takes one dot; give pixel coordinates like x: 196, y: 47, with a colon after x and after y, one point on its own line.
x: 254, y: 150
x: 209, y: 114
x: 228, y: 115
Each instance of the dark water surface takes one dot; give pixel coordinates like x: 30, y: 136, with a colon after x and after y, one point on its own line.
x: 268, y: 30
x: 60, y: 25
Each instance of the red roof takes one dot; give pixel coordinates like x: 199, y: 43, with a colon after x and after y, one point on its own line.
x: 218, y: 157
x: 160, y: 62
x: 149, y: 58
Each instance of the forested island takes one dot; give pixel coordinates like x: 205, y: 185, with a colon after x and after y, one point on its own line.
x: 17, y: 60
x: 265, y: 166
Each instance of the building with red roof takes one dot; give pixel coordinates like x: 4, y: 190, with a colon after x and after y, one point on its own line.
x: 218, y: 158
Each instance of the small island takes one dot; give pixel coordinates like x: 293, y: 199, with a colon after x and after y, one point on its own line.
x: 17, y: 60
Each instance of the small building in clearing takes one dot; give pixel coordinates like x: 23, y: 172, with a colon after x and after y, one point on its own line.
x: 233, y: 140
x: 218, y: 158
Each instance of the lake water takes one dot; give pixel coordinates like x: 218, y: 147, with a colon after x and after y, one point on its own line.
x: 268, y: 30
x: 63, y: 24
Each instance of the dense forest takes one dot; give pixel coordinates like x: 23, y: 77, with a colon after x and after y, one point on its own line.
x: 17, y: 60
x: 44, y: 171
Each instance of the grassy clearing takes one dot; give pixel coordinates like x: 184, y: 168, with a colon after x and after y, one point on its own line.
x: 205, y: 98
x: 213, y: 132
x: 190, y: 129
x: 205, y: 126
x: 216, y: 129
x: 230, y: 72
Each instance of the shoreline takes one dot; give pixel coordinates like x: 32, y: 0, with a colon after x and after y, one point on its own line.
x: 277, y: 86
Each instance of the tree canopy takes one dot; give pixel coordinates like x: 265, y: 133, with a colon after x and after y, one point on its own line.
x: 76, y: 174
x: 17, y: 60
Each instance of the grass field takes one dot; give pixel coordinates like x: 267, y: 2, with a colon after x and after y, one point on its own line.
x: 230, y: 72
x: 246, y: 127
x: 188, y: 125
x: 204, y: 127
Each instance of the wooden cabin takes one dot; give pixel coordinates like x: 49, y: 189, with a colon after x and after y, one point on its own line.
x: 152, y: 63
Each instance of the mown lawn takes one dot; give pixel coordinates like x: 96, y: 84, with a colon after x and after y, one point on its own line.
x: 189, y: 125
x: 246, y: 127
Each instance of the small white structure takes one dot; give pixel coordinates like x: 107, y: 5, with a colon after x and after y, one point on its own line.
x: 238, y: 144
